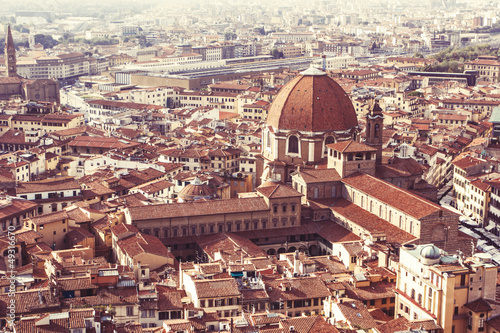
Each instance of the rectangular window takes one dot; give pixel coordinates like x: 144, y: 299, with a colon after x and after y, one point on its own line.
x: 130, y: 311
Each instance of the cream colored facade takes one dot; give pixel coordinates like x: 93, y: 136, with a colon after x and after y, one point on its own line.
x: 53, y: 233
x: 310, y: 148
x: 225, y: 305
x: 47, y: 124
x: 221, y: 100
x: 431, y: 285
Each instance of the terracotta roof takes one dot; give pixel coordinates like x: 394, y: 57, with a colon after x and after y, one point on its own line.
x: 312, y: 324
x: 30, y: 301
x: 78, y: 283
x: 11, y: 207
x: 272, y: 189
x: 494, y: 323
x: 99, y: 142
x: 311, y: 176
x: 392, y: 195
x: 78, y: 235
x: 350, y: 146
x: 168, y: 298
x: 229, y: 246
x: 479, y: 305
x: 212, y: 207
x: 467, y: 162
x: 313, y: 103
x: 370, y: 222
x: 27, y: 236
x: 357, y: 315
x: 376, y: 290
x: 49, y: 218
x: 142, y: 243
x: 216, y: 288
x: 119, y: 296
x: 48, y: 185
x: 296, y: 288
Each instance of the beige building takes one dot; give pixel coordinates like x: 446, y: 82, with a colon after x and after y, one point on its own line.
x: 46, y: 123
x: 434, y: 285
x: 470, y: 186
x: 221, y: 296
x: 52, y: 226
x: 273, y: 206
x: 51, y: 194
x: 62, y: 66
x: 488, y: 67
x: 130, y: 247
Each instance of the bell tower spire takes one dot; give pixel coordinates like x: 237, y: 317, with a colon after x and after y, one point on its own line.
x: 10, y: 54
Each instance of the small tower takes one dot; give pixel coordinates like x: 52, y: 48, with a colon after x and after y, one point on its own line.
x: 374, y: 128
x: 10, y: 54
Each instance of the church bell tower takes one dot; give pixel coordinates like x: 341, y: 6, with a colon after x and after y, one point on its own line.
x: 374, y: 128
x: 10, y: 55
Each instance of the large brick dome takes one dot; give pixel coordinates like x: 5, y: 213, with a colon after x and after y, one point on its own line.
x: 312, y: 102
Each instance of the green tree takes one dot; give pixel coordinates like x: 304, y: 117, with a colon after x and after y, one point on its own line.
x: 277, y: 54
x: 47, y: 41
x: 230, y: 36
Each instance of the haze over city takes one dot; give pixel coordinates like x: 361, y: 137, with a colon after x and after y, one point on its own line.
x: 235, y: 166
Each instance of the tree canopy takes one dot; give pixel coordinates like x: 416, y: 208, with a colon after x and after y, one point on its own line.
x: 47, y: 41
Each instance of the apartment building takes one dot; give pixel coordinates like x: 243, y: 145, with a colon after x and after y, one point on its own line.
x: 444, y: 288
x: 63, y: 66
x: 107, y: 112
x: 14, y: 211
x: 471, y: 187
x: 488, y: 67
x: 50, y: 195
x: 225, y: 101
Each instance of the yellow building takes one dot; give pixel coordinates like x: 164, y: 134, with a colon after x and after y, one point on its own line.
x: 434, y: 285
x: 52, y: 226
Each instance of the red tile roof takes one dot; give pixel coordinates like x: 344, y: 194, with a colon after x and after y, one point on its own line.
x: 312, y: 103
x: 216, y: 288
x: 271, y: 189
x: 392, y: 195
x: 212, y: 207
x: 370, y: 222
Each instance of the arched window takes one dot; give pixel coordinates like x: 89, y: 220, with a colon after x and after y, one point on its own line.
x: 328, y: 140
x: 377, y: 130
x: 315, y: 193
x: 268, y: 139
x: 349, y: 157
x: 293, y: 144
x: 369, y: 127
